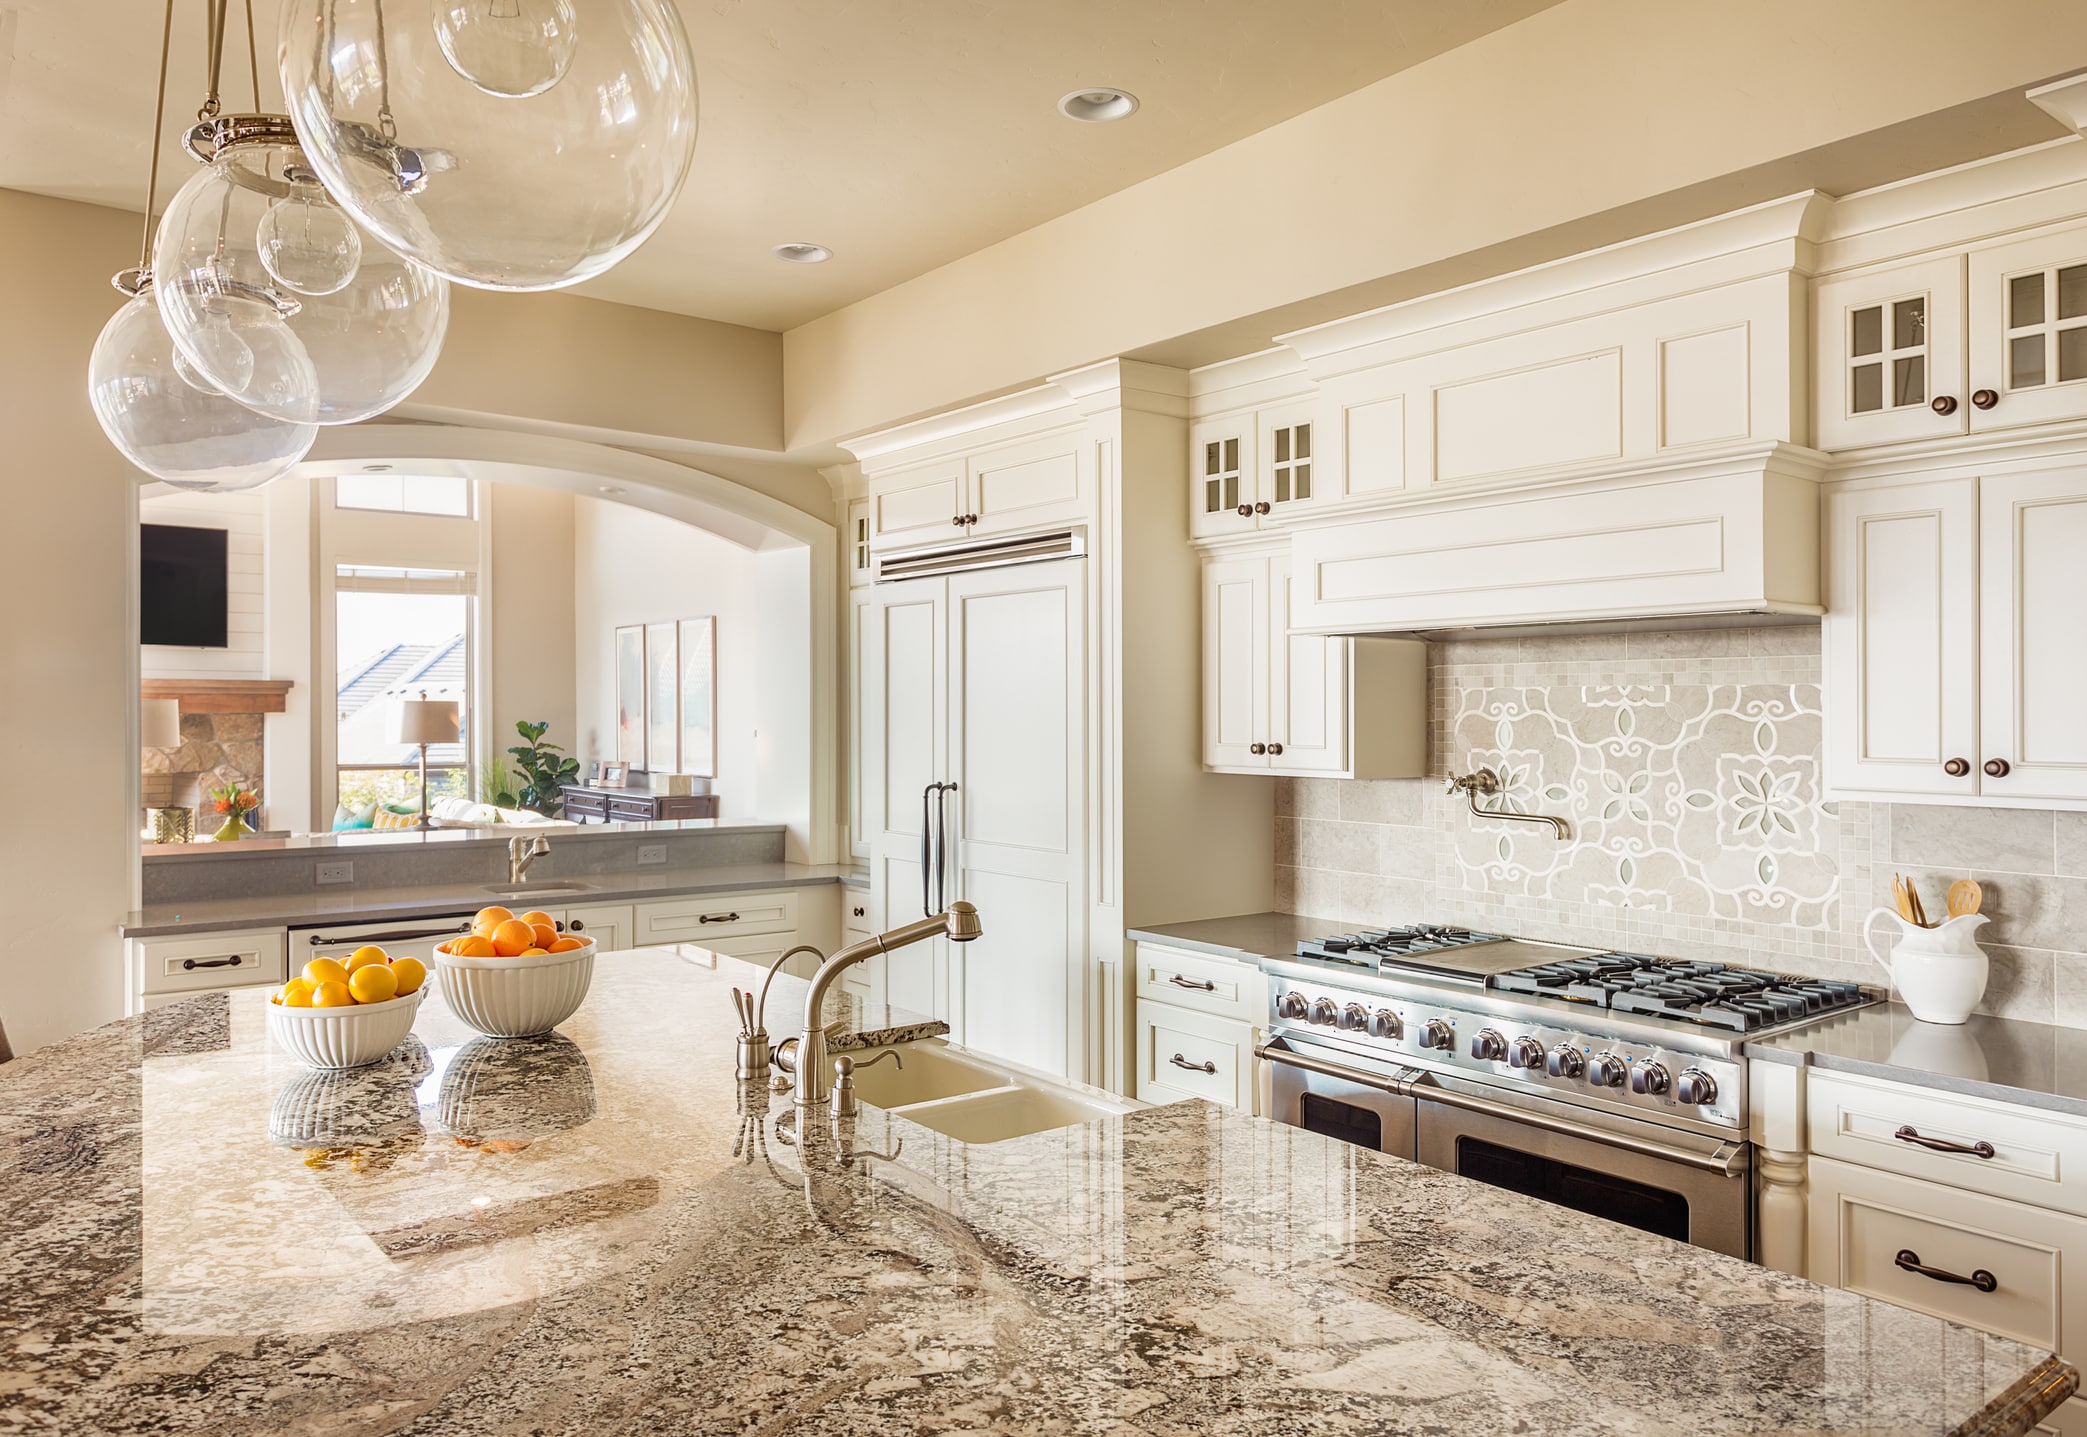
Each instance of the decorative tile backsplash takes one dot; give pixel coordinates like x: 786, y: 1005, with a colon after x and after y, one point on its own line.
x: 1688, y: 766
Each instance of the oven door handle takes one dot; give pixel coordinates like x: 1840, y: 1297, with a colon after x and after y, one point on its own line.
x: 1726, y: 1161
x: 1291, y: 1059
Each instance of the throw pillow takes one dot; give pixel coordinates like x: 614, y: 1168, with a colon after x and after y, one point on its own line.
x: 345, y: 818
x: 390, y: 818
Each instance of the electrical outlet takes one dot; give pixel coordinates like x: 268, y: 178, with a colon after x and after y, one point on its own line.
x: 336, y: 873
x: 652, y: 853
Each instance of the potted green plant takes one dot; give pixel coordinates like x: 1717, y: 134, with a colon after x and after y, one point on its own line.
x: 543, y: 770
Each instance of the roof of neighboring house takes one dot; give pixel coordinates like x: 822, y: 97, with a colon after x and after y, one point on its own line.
x: 369, y: 690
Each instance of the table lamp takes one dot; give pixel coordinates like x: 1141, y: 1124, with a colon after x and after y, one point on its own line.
x: 425, y: 721
x: 159, y: 723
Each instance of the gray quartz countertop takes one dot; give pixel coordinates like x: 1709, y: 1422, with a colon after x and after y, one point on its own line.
x: 1248, y: 937
x: 603, y: 1232
x: 382, y: 905
x: 2033, y: 1064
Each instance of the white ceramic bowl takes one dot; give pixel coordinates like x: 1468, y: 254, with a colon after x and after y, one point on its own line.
x: 516, y: 997
x: 345, y: 1037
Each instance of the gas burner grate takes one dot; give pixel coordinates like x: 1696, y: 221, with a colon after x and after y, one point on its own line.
x: 1366, y: 949
x: 1736, y: 999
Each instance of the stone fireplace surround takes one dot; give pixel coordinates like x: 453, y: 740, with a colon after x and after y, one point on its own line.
x: 223, y: 723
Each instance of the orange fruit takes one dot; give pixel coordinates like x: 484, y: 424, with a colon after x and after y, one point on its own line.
x: 546, y: 933
x: 321, y: 971
x: 536, y: 915
x: 488, y: 919
x: 333, y: 994
x: 512, y: 937
x: 374, y: 983
x: 471, y: 945
x: 364, y: 956
x: 531, y: 953
x: 566, y: 945
x: 410, y: 972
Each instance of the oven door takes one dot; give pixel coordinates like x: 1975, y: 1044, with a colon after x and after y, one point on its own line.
x: 1341, y: 1096
x: 1694, y: 1188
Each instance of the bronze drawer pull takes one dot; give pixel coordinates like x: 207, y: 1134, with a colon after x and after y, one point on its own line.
x: 1909, y: 1260
x: 189, y: 965
x: 1979, y: 1149
x: 1180, y: 1062
x: 718, y: 918
x: 1180, y: 982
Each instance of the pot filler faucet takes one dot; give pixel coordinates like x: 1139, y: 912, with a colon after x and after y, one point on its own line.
x: 959, y: 924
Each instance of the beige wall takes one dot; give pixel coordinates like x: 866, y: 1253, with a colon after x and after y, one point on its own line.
x: 527, y: 614
x: 1584, y: 108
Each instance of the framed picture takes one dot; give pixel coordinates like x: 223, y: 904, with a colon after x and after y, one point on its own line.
x: 615, y: 774
x: 699, y: 697
x: 662, y: 699
x: 630, y: 697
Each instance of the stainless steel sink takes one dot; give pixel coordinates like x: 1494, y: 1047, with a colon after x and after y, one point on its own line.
x: 535, y: 890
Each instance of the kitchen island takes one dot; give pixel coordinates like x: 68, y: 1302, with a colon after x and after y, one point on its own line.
x: 604, y: 1232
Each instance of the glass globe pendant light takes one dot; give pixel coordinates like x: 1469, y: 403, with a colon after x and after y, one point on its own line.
x: 501, y: 146
x: 271, y: 296
x: 158, y: 412
x: 509, y: 48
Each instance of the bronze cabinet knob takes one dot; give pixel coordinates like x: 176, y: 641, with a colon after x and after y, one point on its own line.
x: 1944, y: 404
x: 970, y: 518
x: 1262, y: 507
x: 1246, y: 511
x: 1957, y: 767
x: 1257, y: 748
x: 1984, y: 398
x: 1275, y: 748
x: 1996, y: 768
x: 957, y: 519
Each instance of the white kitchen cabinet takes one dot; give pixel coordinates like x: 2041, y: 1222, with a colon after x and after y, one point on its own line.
x: 610, y: 925
x: 1251, y: 470
x: 860, y: 570
x: 1890, y: 345
x: 1277, y: 702
x: 1954, y: 666
x: 1035, y: 483
x: 165, y: 969
x: 1199, y: 1017
x: 2028, y: 330
x: 919, y: 505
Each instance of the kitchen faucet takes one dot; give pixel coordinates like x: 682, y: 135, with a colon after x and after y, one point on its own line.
x: 521, y: 853
x: 959, y: 924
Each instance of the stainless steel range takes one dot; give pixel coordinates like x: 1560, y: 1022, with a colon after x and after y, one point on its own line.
x: 1608, y: 1082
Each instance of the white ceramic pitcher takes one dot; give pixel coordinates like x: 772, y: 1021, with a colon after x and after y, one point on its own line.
x: 1940, y: 972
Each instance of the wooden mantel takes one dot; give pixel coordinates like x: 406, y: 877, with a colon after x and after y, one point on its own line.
x: 222, y: 696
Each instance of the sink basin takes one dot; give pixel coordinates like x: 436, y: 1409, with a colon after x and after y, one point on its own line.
x: 1003, y: 1113
x: 535, y: 890
x: 929, y: 1074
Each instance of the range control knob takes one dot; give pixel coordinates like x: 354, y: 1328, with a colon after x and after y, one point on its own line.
x: 1488, y: 1046
x: 1438, y: 1034
x: 1648, y: 1078
x: 1355, y: 1017
x: 1326, y: 1012
x: 1525, y: 1053
x: 1292, y: 1005
x: 1607, y: 1071
x: 1695, y: 1086
x: 1386, y: 1024
x: 1566, y: 1062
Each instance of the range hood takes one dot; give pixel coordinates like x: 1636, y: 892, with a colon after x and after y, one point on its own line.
x: 1727, y: 542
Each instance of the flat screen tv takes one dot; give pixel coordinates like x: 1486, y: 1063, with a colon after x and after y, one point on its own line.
x: 181, y: 590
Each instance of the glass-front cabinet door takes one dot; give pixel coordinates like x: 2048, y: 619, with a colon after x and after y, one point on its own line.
x: 1890, y: 355
x: 1221, y: 478
x: 1289, y: 474
x: 2029, y: 331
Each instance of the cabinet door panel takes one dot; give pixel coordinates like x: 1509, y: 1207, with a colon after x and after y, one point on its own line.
x: 1901, y: 638
x: 1221, y: 477
x: 918, y: 505
x: 904, y: 708
x: 2033, y: 601
x: 2029, y: 329
x: 1889, y: 343
x: 1307, y: 688
x: 1026, y: 486
x: 1235, y: 662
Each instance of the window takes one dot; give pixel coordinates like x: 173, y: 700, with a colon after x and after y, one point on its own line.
x: 404, y: 494
x: 399, y: 634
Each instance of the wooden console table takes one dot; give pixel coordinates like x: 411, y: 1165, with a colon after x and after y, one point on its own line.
x: 634, y: 805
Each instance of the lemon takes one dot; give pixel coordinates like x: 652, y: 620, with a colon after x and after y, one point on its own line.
x: 333, y: 994
x: 321, y: 971
x: 366, y: 955
x: 373, y: 983
x: 410, y: 972
x: 296, y: 994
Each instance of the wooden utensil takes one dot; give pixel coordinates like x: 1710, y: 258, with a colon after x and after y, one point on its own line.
x: 1920, y: 914
x: 1965, y: 896
x: 1900, y: 899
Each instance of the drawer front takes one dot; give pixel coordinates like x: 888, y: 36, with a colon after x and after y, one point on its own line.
x: 585, y: 805
x: 631, y: 810
x: 608, y: 924
x: 855, y: 913
x: 1861, y: 1220
x: 1186, y: 1054
x: 2037, y: 1157
x: 1219, y: 986
x: 704, y: 917
x: 236, y: 959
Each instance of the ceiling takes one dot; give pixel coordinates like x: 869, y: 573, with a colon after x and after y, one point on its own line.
x: 899, y: 133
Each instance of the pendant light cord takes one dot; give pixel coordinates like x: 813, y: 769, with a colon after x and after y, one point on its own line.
x: 253, y: 59
x: 159, y: 120
x: 214, y: 55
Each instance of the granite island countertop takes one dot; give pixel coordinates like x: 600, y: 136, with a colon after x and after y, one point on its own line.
x: 603, y: 1232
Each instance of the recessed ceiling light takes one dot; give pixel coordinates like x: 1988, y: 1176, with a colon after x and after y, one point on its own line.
x: 1098, y: 106
x: 610, y: 488
x: 799, y: 252
x: 376, y: 468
